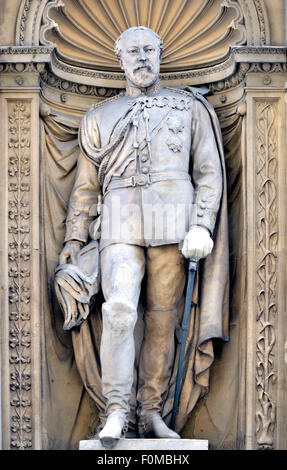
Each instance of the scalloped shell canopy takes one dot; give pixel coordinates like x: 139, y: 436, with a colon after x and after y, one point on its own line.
x: 196, y: 33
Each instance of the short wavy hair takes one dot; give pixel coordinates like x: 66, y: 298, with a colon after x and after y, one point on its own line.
x: 118, y: 49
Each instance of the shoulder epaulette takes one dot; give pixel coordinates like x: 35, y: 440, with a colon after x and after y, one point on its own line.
x: 180, y: 91
x: 197, y: 93
x: 107, y: 100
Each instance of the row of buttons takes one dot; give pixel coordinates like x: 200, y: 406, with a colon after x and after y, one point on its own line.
x: 144, y: 169
x: 74, y: 221
x: 203, y: 206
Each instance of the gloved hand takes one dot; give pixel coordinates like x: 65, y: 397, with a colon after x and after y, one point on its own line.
x: 69, y: 252
x: 197, y: 243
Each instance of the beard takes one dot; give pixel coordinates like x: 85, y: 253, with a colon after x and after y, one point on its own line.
x: 142, y: 76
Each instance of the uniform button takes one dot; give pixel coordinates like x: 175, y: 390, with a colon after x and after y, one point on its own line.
x: 200, y: 213
x: 144, y: 158
x: 74, y: 221
x: 74, y: 229
x: 77, y: 213
x: 203, y: 206
x: 145, y: 170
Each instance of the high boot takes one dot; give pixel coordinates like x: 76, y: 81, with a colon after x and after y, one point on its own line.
x: 155, y: 368
x: 117, y: 361
x: 114, y: 429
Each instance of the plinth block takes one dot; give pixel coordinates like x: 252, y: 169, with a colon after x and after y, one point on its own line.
x: 148, y: 444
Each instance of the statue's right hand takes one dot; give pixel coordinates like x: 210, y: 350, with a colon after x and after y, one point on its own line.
x: 69, y: 252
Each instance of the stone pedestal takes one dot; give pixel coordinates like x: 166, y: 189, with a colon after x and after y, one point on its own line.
x: 148, y: 444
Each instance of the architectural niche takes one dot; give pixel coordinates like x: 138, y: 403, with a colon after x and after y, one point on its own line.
x: 63, y: 57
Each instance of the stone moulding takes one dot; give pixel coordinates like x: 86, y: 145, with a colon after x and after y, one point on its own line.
x: 12, y: 54
x: 193, y: 77
x: 53, y: 81
x: 262, y: 15
x: 115, y: 79
x: 29, y: 21
x: 90, y: 77
x: 257, y: 54
x: 97, y: 78
x: 24, y: 14
x: 67, y: 79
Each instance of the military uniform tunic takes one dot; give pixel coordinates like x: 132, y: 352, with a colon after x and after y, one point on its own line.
x: 155, y: 160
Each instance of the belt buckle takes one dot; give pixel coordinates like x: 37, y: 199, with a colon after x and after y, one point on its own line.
x: 141, y: 179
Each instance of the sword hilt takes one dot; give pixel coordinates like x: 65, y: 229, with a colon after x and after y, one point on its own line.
x: 192, y: 264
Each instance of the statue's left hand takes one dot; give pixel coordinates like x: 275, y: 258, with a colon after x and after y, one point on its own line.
x: 197, y: 243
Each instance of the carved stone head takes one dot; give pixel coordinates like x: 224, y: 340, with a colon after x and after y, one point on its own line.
x: 139, y: 50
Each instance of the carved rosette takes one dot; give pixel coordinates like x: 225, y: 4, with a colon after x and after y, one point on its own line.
x: 19, y: 253
x: 266, y: 271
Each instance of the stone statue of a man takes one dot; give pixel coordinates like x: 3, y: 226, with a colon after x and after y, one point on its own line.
x: 152, y: 155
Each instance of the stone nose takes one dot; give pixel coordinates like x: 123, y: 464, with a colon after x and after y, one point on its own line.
x: 142, y: 55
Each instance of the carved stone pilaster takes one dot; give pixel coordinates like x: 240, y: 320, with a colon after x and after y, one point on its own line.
x: 19, y: 277
x: 266, y: 141
x: 19, y: 264
x: 265, y: 199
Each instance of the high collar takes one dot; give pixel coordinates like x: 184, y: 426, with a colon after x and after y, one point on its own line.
x: 134, y: 92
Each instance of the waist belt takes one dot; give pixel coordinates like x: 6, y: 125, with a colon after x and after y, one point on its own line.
x: 145, y: 179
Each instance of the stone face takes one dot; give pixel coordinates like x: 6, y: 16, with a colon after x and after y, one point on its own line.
x: 148, y: 444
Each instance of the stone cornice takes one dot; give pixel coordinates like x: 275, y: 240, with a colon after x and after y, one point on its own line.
x: 259, y: 54
x: 231, y: 71
x: 117, y: 80
x: 25, y: 54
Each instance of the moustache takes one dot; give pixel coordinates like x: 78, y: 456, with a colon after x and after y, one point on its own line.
x: 140, y: 67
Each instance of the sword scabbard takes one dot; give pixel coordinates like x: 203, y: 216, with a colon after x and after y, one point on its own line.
x: 192, y: 267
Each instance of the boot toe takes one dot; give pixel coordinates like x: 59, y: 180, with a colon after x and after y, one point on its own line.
x: 113, y: 430
x: 154, y: 426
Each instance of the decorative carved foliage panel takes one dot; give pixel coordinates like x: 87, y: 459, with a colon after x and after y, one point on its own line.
x: 267, y: 227
x: 19, y: 262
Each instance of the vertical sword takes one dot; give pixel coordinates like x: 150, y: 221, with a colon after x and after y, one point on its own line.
x: 192, y: 267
